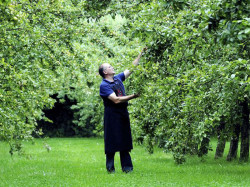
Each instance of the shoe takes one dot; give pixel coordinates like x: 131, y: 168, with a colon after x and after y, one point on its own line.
x: 111, y: 170
x: 127, y: 169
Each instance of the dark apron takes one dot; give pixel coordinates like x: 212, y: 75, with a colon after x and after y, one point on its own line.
x: 117, y: 131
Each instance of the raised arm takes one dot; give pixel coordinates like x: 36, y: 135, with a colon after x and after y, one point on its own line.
x: 121, y: 99
x: 127, y: 72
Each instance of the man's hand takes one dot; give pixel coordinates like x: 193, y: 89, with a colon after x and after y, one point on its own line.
x: 122, y: 99
x: 136, y: 95
x: 144, y: 49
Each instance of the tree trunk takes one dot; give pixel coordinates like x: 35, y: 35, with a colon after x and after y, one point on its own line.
x: 244, y: 148
x: 232, y: 154
x: 221, y: 140
x: 204, y: 147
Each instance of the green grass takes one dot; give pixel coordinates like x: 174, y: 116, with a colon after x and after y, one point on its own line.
x: 81, y: 162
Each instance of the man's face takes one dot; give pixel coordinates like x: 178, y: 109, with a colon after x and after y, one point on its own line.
x: 108, y: 69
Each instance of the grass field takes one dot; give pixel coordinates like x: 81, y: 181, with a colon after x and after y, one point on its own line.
x: 81, y: 162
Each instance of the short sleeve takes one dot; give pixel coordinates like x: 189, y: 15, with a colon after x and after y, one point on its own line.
x: 105, y: 90
x: 121, y: 76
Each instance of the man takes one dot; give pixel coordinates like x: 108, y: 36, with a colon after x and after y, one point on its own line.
x: 117, y: 132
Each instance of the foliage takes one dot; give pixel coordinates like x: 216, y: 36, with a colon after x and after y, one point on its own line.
x: 51, y: 47
x: 34, y: 46
x: 195, y: 72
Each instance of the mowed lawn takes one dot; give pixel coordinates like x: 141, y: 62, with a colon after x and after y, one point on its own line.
x: 81, y: 162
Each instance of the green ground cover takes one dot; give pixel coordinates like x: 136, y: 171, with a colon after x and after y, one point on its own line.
x: 81, y: 162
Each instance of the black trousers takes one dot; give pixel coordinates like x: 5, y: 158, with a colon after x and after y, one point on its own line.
x: 125, y: 159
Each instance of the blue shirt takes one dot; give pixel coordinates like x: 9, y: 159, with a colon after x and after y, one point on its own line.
x: 107, y: 88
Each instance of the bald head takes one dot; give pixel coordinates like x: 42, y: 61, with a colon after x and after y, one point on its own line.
x: 106, y: 69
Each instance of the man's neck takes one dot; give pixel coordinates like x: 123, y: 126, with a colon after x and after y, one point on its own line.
x: 110, y: 78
